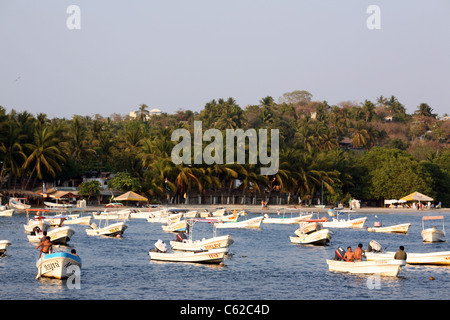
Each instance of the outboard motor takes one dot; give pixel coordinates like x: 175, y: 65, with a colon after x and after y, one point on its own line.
x: 374, y: 246
x: 160, y: 246
x: 339, y: 254
x: 181, y: 237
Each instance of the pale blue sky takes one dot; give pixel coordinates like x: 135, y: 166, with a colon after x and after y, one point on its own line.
x: 183, y: 53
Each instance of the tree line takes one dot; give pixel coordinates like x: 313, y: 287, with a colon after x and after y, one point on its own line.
x: 369, y: 151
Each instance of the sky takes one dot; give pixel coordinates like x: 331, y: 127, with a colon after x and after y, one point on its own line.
x: 181, y: 54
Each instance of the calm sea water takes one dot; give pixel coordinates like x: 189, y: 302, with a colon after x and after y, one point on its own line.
x: 263, y: 265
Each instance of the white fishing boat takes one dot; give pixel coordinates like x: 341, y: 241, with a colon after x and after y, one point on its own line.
x: 213, y: 256
x: 397, y: 228
x: 109, y: 230
x: 345, y: 223
x: 253, y: 223
x: 283, y: 219
x: 58, y: 265
x: 161, y: 216
x: 226, y: 218
x: 19, y: 203
x: 6, y: 213
x: 57, y: 205
x: 319, y: 237
x: 60, y: 235
x: 427, y: 258
x: 219, y: 212
x: 4, y: 244
x: 83, y: 220
x: 383, y: 267
x: 186, y: 243
x: 175, y: 226
x: 433, y: 234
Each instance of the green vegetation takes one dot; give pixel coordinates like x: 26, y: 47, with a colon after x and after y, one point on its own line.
x: 369, y: 151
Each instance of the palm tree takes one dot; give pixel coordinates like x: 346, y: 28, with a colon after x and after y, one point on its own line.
x: 143, y: 112
x: 12, y: 149
x: 45, y: 154
x: 359, y: 135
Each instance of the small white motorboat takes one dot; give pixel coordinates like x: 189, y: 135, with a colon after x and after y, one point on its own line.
x: 213, y: 256
x: 83, y: 220
x: 345, y: 223
x: 428, y: 258
x: 109, y: 230
x: 58, y: 265
x: 6, y: 213
x: 36, y: 225
x: 253, y: 223
x: 397, y: 228
x: 383, y: 267
x: 177, y: 226
x: 19, y: 203
x: 57, y: 205
x: 4, y: 244
x: 319, y: 237
x: 433, y: 234
x: 283, y: 219
x: 219, y: 212
x: 60, y: 235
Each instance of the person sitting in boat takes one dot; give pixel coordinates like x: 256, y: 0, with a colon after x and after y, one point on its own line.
x: 400, y: 254
x: 358, y: 253
x: 349, y: 255
x: 46, y: 247
x: 74, y: 252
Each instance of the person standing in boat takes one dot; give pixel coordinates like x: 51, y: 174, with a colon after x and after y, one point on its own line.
x: 46, y: 247
x: 349, y: 255
x: 358, y: 253
x: 400, y: 254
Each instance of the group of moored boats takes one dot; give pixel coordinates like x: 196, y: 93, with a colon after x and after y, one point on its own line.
x: 213, y: 250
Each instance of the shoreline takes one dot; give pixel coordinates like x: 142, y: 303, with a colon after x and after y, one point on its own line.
x: 257, y: 209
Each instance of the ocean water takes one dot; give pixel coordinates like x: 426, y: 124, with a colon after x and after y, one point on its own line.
x: 262, y: 265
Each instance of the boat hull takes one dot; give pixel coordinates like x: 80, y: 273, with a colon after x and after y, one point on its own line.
x: 253, y: 223
x: 320, y: 237
x: 29, y: 228
x: 351, y: 223
x: 399, y: 228
x: 214, y: 256
x: 383, y: 267
x: 432, y: 258
x: 56, y: 265
x: 4, y: 244
x: 433, y: 235
x: 7, y: 213
x: 202, y: 245
x: 179, y: 226
x: 81, y: 220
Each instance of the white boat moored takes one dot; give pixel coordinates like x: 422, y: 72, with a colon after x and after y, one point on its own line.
x: 253, y: 223
x: 109, y: 230
x: 433, y: 234
x: 59, y: 235
x: 398, y: 228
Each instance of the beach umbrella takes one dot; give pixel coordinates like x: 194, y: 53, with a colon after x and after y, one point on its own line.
x: 130, y: 196
x: 416, y: 196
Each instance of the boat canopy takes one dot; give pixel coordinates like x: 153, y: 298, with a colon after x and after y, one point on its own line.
x: 433, y: 218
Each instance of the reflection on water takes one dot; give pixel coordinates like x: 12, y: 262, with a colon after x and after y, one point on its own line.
x: 262, y: 264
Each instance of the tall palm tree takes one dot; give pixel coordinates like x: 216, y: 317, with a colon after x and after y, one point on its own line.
x: 45, y: 155
x: 12, y: 150
x: 143, y: 112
